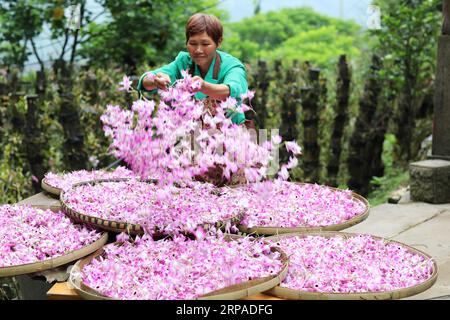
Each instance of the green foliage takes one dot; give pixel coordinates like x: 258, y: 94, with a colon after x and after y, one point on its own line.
x: 20, y: 22
x: 294, y: 33
x: 9, y: 289
x: 322, y: 46
x: 141, y: 31
x: 407, y: 43
x: 408, y: 40
x: 15, y: 176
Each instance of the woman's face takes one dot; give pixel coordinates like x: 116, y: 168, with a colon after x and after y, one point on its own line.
x: 202, y: 49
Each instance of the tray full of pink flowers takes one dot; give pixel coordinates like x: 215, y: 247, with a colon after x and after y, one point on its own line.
x: 209, y: 267
x: 338, y: 266
x: 34, y: 240
x: 54, y: 183
x: 136, y: 206
x: 274, y: 207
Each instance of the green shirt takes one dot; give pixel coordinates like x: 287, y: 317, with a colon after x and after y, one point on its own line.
x: 231, y: 72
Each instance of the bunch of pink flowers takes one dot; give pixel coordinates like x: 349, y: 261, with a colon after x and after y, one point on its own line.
x: 29, y: 235
x: 359, y: 263
x: 179, y: 268
x: 158, y: 139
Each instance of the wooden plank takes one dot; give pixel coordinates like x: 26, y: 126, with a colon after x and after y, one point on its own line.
x: 61, y: 291
x: 43, y: 201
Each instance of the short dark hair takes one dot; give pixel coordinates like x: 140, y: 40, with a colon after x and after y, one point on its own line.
x: 200, y: 23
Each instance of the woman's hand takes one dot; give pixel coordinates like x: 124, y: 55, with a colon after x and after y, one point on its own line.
x: 161, y: 81
x: 201, y: 82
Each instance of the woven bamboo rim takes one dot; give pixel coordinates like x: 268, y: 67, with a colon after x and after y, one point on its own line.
x: 50, y: 189
x: 286, y: 293
x: 55, y: 262
x: 119, y: 226
x: 268, y: 231
x: 234, y: 292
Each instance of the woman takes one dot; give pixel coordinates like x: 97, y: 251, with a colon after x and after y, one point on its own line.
x: 221, y: 75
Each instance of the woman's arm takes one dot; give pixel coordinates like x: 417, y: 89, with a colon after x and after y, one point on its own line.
x: 169, y: 71
x: 216, y: 91
x: 161, y: 81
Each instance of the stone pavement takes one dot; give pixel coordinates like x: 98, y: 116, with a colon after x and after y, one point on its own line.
x: 420, y: 225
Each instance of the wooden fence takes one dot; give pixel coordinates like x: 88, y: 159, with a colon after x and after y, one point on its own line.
x: 292, y: 97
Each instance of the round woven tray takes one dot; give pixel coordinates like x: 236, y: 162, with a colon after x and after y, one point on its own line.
x: 55, y: 262
x: 52, y: 190
x: 238, y: 291
x: 268, y: 231
x: 120, y: 226
x: 285, y: 293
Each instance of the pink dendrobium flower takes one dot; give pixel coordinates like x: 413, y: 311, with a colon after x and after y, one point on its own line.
x: 248, y: 95
x: 293, y: 162
x: 199, y: 233
x: 293, y: 147
x: 122, y: 237
x: 125, y: 84
x: 276, y: 139
x: 283, y: 173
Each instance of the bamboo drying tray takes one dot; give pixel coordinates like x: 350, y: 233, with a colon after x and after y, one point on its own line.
x: 269, y: 231
x: 234, y: 292
x: 55, y: 262
x: 50, y: 189
x: 120, y: 226
x: 286, y: 293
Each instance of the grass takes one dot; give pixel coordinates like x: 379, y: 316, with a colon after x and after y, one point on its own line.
x: 394, y: 180
x: 394, y: 177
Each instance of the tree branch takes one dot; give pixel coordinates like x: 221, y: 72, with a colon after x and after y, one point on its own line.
x: 63, y: 51
x: 36, y: 54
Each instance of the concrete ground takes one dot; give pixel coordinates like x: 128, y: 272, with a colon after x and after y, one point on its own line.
x: 420, y: 225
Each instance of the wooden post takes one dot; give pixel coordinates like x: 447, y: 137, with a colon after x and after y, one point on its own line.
x: 16, y: 117
x: 91, y: 87
x: 446, y: 14
x: 441, y: 128
x: 259, y: 102
x: 40, y: 83
x: 290, y: 102
x: 311, y: 109
x: 34, y: 142
x: 360, y: 153
x: 75, y: 157
x: 340, y: 119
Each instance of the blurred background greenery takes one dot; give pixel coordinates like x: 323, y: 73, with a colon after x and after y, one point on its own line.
x: 52, y: 95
